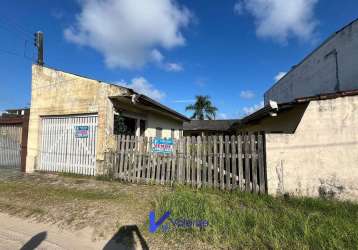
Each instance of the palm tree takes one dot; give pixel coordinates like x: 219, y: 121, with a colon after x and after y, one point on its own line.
x: 203, y: 108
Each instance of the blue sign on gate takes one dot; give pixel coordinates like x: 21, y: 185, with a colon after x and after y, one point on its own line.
x: 163, y: 146
x: 82, y: 131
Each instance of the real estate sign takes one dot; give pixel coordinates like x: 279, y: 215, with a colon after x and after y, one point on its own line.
x: 82, y: 131
x: 163, y: 146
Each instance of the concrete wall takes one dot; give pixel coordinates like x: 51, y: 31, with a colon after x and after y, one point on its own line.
x: 56, y: 93
x: 321, y: 156
x: 317, y: 73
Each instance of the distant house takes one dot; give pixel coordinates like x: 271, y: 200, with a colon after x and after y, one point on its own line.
x: 332, y: 67
x: 208, y: 127
x: 74, y: 121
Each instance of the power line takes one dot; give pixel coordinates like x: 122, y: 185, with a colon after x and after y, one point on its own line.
x: 15, y: 26
x: 15, y: 54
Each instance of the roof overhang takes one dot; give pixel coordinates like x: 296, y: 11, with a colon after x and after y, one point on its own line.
x: 268, y: 110
x: 145, y: 103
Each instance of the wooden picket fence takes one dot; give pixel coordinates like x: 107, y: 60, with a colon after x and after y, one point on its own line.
x: 236, y: 162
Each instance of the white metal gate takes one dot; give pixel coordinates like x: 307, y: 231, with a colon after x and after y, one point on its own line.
x: 69, y: 144
x: 10, y: 146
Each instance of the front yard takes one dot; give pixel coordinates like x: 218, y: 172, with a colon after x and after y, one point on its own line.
x: 235, y: 220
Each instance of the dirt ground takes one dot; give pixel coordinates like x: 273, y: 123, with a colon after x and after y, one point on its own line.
x: 19, y: 233
x: 105, y: 210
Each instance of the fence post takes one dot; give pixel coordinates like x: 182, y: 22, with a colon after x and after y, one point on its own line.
x: 227, y: 162
x: 140, y: 156
x: 198, y: 162
x: 210, y: 162
x: 240, y: 164
x: 188, y: 159
x: 233, y: 161
x: 180, y: 170
x: 204, y: 161
x: 215, y: 161
x: 247, y: 163
x: 151, y: 160
x: 221, y: 161
x: 193, y: 160
x: 254, y: 163
x: 174, y: 161
x: 262, y: 180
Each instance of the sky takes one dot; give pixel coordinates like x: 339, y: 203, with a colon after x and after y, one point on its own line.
x: 170, y: 50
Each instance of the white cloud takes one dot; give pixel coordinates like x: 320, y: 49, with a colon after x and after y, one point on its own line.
x: 129, y: 33
x: 239, y: 8
x: 281, y: 19
x: 142, y: 86
x: 247, y: 94
x: 252, y: 109
x: 173, y: 67
x: 200, y: 81
x: 223, y: 116
x: 279, y: 76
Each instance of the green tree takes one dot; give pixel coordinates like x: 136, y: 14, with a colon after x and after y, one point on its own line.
x: 202, y: 108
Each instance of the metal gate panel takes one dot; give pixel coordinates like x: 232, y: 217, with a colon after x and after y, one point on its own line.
x: 64, y: 149
x: 10, y: 146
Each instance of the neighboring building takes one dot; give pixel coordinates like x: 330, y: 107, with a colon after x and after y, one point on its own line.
x: 311, y: 133
x: 14, y: 112
x: 332, y: 67
x: 74, y: 120
x: 13, y: 138
x: 208, y: 127
x: 311, y: 145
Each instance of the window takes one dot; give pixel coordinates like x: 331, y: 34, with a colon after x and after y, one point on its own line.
x: 172, y: 133
x: 124, y: 125
x: 142, y: 127
x: 158, y: 132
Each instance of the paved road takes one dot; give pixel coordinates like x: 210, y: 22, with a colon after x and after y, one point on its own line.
x: 16, y: 233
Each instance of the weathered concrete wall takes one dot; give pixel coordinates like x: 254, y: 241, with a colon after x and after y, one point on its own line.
x: 317, y: 73
x: 59, y: 93
x: 321, y: 157
x: 56, y: 93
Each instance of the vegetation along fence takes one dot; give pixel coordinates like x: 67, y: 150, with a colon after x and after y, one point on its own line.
x: 236, y: 162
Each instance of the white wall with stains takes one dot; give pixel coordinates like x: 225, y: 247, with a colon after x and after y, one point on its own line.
x: 321, y: 157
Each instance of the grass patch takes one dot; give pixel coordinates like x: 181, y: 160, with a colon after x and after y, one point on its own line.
x: 21, y: 190
x: 238, y: 220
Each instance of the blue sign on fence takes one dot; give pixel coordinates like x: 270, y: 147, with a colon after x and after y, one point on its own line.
x: 82, y: 131
x: 164, y: 146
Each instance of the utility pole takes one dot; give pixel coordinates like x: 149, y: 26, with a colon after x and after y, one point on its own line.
x: 39, y: 44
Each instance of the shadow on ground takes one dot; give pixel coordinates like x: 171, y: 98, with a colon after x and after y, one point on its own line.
x: 35, y: 241
x: 127, y: 237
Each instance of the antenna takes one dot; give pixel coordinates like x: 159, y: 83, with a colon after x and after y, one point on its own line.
x: 38, y: 42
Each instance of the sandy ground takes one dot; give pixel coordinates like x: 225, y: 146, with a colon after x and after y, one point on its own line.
x: 16, y: 233
x: 75, y: 213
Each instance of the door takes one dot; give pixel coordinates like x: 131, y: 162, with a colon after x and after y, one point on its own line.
x: 10, y: 146
x: 68, y: 144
